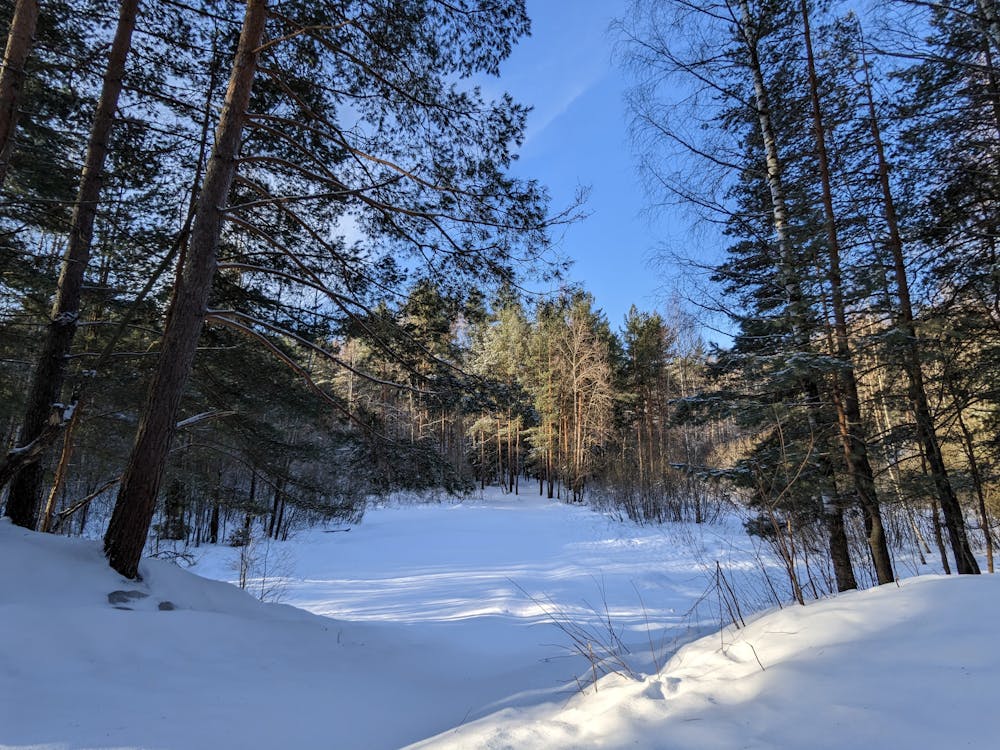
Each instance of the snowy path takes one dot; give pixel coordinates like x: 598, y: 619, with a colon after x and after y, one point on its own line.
x: 458, y: 596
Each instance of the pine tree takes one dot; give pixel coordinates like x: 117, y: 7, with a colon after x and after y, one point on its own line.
x: 792, y: 350
x: 19, y: 38
x: 49, y: 373
x: 126, y: 535
x: 420, y: 168
x: 949, y: 181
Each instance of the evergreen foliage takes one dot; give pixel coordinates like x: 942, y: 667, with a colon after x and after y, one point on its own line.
x: 348, y: 306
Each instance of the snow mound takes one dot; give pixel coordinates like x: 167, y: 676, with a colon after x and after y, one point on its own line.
x: 913, y: 666
x: 78, y: 669
x: 43, y: 570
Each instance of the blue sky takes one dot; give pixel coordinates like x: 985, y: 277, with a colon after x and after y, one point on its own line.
x: 577, y: 136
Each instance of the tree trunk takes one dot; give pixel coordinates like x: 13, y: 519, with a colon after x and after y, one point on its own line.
x: 849, y: 416
x: 283, y: 525
x: 62, y: 470
x: 840, y: 551
x: 500, y: 472
x: 276, y: 505
x: 136, y: 503
x: 926, y: 432
x: 977, y: 480
x: 510, y: 453
x: 50, y: 368
x: 939, y: 539
x: 213, y: 524
x: 19, y: 38
x: 789, y: 269
x: 549, y: 437
x: 517, y: 457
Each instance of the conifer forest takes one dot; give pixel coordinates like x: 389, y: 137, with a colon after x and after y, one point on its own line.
x: 263, y: 261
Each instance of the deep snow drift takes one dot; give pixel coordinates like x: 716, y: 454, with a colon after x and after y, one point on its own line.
x: 437, y: 630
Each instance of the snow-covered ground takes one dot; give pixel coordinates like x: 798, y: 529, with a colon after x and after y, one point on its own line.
x: 433, y: 625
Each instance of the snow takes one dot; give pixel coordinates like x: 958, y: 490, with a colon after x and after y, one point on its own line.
x: 431, y: 625
x: 908, y: 667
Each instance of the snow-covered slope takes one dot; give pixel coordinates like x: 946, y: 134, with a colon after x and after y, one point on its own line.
x: 910, y: 667
x: 443, y: 636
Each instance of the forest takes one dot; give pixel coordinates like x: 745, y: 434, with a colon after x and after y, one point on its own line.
x: 262, y: 262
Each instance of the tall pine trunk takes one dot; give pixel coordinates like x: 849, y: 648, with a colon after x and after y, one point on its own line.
x: 848, y: 405
x: 965, y: 561
x: 136, y: 503
x: 19, y: 38
x: 840, y: 552
x: 50, y: 368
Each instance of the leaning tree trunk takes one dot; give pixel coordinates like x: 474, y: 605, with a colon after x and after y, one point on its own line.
x: 19, y: 38
x: 954, y: 520
x: 839, y: 550
x: 179, y: 243
x: 851, y: 426
x: 136, y: 503
x: 50, y: 368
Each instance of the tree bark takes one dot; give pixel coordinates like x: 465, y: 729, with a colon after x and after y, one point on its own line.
x: 19, y: 39
x: 839, y: 549
x: 849, y: 409
x: 977, y: 480
x: 500, y: 472
x: 213, y: 524
x: 939, y: 539
x: 954, y: 520
x: 136, y: 503
x: 50, y: 368
x: 62, y: 470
